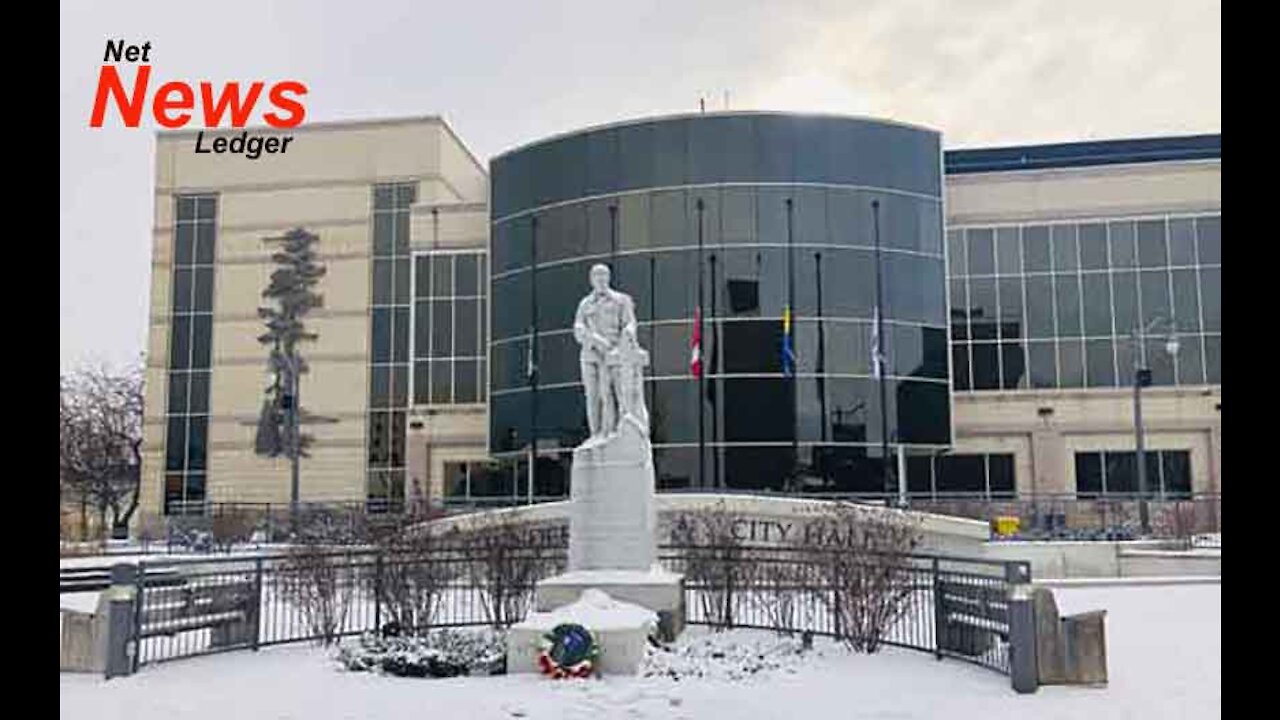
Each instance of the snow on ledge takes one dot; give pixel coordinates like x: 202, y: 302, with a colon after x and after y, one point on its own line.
x: 596, y: 611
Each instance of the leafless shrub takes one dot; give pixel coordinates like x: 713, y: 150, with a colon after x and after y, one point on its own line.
x: 150, y: 529
x: 713, y: 560
x: 416, y: 569
x: 230, y: 526
x: 505, y: 564
x: 320, y: 581
x: 866, y: 574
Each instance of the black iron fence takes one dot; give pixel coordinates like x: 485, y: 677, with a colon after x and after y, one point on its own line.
x: 950, y: 607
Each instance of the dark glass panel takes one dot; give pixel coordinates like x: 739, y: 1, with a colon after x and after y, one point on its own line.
x: 983, y: 312
x: 441, y: 381
x: 1182, y: 242
x: 1186, y: 301
x: 738, y: 215
x: 1213, y: 359
x: 175, y: 443
x: 466, y: 337
x: 1176, y: 469
x: 676, y: 468
x: 400, y: 341
x: 1035, y: 249
x: 465, y: 384
x: 383, y: 229
x: 1097, y: 304
x: 184, y: 243
x: 961, y: 474
x: 1121, y: 472
x: 920, y: 474
x: 1088, y: 473
x: 204, y: 243
x: 1067, y: 307
x: 1043, y: 359
x: 1190, y: 360
x: 403, y: 294
x: 1123, y: 248
x: 382, y: 287
x: 441, y: 328
x: 982, y: 259
x: 1154, y: 287
x: 508, y: 422
x: 1211, y: 298
x: 178, y: 384
x: 1093, y: 246
x: 1000, y: 474
x: 1100, y: 369
x: 512, y: 315
x: 1070, y: 364
x: 1039, y: 306
x: 199, y: 394
x: 1209, y: 239
x: 1124, y: 285
x: 381, y: 335
x: 923, y: 412
x: 400, y: 385
x: 674, y: 411
x: 201, y: 340
x: 182, y: 282
x: 466, y: 275
x: 1066, y: 256
x: 186, y: 207
x: 380, y: 386
x: 960, y: 367
x: 198, y: 434
x: 180, y: 342
x: 986, y: 368
x: 957, y: 260
x: 959, y: 309
x: 1008, y: 251
x: 1013, y: 366
x: 1152, y: 250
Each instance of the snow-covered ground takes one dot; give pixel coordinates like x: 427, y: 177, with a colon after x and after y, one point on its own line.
x: 1164, y: 645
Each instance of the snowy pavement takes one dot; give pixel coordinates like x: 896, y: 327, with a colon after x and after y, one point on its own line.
x: 1164, y: 645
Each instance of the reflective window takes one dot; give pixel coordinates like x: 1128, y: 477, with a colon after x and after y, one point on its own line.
x: 190, y: 349
x: 449, y: 330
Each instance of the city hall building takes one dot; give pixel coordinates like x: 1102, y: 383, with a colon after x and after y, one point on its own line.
x: 876, y: 314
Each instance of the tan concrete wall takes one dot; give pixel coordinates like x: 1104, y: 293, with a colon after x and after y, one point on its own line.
x: 323, y: 183
x: 1084, y: 420
x: 1083, y: 192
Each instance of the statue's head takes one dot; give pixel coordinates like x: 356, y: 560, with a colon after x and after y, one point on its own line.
x: 600, y: 277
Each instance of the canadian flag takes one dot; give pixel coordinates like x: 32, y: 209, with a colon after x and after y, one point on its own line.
x: 695, y: 346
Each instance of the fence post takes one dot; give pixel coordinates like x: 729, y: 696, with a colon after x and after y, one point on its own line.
x: 122, y: 603
x: 377, y: 593
x: 255, y: 613
x: 1023, y: 670
x: 937, y: 609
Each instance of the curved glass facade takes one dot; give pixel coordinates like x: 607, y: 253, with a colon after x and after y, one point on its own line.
x: 745, y: 215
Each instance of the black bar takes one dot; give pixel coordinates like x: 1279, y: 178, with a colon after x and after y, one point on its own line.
x: 702, y: 404
x: 533, y: 361
x: 878, y: 358
x: 789, y: 342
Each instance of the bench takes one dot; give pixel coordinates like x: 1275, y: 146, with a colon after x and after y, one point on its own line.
x: 969, y: 616
x: 229, y: 609
x: 95, y: 579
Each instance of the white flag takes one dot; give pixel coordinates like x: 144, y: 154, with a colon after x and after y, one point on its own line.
x: 877, y: 355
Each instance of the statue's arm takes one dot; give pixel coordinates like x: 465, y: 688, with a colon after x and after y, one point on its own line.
x: 629, y: 323
x: 585, y: 335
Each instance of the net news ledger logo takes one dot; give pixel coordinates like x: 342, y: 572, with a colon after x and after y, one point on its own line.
x: 174, y: 105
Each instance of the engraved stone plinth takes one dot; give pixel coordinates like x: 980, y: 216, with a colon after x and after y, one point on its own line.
x: 612, y: 521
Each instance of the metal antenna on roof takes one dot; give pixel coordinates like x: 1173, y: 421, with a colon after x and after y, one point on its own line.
x: 702, y: 105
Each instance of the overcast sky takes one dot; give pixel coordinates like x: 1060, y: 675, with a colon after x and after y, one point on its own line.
x: 984, y: 72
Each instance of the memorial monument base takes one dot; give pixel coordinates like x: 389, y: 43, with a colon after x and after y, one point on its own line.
x: 657, y: 590
x: 621, y: 629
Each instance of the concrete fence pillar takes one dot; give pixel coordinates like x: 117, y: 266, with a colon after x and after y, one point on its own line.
x: 1023, y: 673
x: 116, y: 608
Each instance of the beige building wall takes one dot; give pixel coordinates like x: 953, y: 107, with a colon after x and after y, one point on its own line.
x: 1044, y: 429
x: 324, y: 184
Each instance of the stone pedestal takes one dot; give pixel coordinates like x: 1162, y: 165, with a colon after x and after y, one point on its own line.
x: 657, y: 590
x: 612, y: 523
x: 621, y: 629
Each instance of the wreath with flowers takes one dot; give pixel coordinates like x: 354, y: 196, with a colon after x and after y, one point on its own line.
x: 569, y: 650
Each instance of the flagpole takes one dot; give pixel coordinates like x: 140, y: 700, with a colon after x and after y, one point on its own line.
x: 878, y: 357
x: 702, y: 446
x: 715, y: 346
x: 533, y: 358
x: 821, y: 364
x: 789, y: 340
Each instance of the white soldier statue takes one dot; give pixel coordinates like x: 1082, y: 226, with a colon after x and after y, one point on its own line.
x: 612, y: 360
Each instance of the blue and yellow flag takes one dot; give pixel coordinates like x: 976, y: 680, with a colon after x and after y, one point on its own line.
x: 788, y: 348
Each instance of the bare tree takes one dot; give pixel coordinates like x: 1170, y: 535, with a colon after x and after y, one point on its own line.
x: 865, y: 570
x: 321, y: 582
x: 100, y: 442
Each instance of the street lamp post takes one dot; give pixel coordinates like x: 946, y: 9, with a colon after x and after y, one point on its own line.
x: 1141, y: 378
